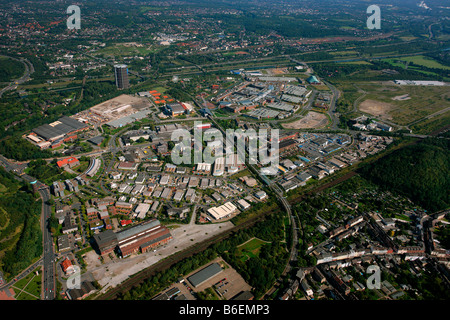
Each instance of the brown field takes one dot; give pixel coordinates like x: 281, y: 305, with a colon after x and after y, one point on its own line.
x: 278, y: 71
x: 312, y: 120
x: 377, y: 108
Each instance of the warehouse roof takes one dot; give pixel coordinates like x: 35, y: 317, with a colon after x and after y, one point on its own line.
x: 61, y: 127
x: 205, y: 274
x: 286, y: 143
x: 222, y: 211
x: 165, y: 235
x: 96, y: 140
x: 105, y: 237
x: 118, y: 123
x: 127, y: 233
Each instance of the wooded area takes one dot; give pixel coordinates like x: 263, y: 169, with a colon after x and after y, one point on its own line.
x: 419, y: 171
x: 20, y: 231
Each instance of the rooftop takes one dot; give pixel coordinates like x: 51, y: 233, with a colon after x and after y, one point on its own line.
x: 205, y: 274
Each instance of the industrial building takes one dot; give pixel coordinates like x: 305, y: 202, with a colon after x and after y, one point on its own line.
x: 261, y: 195
x: 244, y: 205
x: 142, y: 210
x: 262, y: 113
x: 119, y: 123
x: 205, y: 274
x: 105, y: 241
x: 142, y: 237
x: 59, y: 129
x: 175, y: 109
x: 286, y: 145
x: 223, y: 211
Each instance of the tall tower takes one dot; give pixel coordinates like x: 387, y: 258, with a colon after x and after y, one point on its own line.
x: 121, y: 74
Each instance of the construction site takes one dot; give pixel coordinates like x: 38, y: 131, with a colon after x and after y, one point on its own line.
x: 116, y: 112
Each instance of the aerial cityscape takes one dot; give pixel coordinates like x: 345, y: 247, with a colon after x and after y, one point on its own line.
x: 236, y: 151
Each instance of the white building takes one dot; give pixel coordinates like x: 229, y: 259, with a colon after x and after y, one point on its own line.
x: 141, y: 210
x: 261, y: 195
x: 223, y: 211
x: 244, y: 205
x: 219, y: 167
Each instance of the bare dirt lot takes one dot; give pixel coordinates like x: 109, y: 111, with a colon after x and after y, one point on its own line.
x: 120, y: 106
x: 311, y: 121
x: 277, y: 71
x: 110, y: 274
x: 377, y: 108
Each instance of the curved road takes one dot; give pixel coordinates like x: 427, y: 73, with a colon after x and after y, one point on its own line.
x: 29, y: 69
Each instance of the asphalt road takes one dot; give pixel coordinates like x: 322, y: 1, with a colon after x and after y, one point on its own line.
x: 331, y: 110
x: 49, y: 254
x: 48, y: 258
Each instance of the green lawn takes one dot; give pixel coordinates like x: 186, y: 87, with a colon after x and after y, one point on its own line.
x: 250, y: 249
x: 425, y: 61
x: 31, y: 286
x: 82, y: 167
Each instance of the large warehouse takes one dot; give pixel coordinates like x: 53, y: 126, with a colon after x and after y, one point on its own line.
x: 142, y: 237
x: 59, y: 129
x: 222, y: 211
x: 205, y: 274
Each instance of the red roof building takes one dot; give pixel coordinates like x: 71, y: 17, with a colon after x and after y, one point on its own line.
x: 67, y: 266
x: 71, y: 162
x: 124, y: 223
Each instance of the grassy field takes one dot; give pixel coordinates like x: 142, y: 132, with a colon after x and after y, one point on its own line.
x: 432, y: 124
x: 250, y: 249
x: 417, y: 63
x: 120, y: 50
x: 29, y: 288
x: 420, y: 101
x: 419, y: 60
x: 242, y: 173
x: 362, y: 62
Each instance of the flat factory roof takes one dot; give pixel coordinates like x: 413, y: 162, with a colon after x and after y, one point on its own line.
x: 205, y: 274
